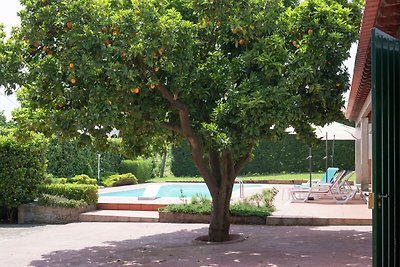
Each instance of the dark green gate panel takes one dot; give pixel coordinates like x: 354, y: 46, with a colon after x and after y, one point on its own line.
x: 385, y: 83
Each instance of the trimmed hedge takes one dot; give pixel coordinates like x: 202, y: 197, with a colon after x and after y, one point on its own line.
x: 141, y: 168
x: 120, y: 179
x: 69, y: 158
x: 87, y: 193
x: 22, y: 169
x: 59, y: 201
x: 82, y: 179
x: 288, y: 156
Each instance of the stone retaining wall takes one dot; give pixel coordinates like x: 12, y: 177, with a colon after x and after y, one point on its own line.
x: 33, y: 213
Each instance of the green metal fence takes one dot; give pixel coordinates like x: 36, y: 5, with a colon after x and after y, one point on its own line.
x: 385, y: 83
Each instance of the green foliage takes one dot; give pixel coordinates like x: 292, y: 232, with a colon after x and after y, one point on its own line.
x: 290, y: 156
x: 271, y: 157
x: 264, y: 199
x: 87, y: 193
x: 59, y: 181
x: 182, y: 162
x: 22, y: 168
x: 219, y: 74
x: 82, y: 179
x: 243, y: 209
x: 59, y: 201
x: 197, y: 205
x: 141, y: 168
x: 257, y: 205
x: 70, y: 158
x: 120, y: 179
x: 235, y: 67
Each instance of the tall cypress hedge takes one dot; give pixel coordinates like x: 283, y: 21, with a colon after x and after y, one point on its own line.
x: 288, y: 155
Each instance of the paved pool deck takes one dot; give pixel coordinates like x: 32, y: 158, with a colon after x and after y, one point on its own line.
x: 315, y: 212
x: 163, y: 244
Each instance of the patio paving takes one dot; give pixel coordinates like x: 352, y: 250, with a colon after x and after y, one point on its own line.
x: 133, y: 243
x: 318, y: 212
x: 162, y: 244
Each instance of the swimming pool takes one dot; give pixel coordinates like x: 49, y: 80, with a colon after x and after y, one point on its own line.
x: 178, y: 190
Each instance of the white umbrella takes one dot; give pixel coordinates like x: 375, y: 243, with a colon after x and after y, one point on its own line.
x: 334, y: 131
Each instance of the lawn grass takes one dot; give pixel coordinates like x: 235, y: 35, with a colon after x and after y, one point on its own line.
x: 279, y: 177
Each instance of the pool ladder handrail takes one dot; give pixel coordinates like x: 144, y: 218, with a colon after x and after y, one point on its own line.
x: 241, y: 186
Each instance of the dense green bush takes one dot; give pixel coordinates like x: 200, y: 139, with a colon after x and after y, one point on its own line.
x: 22, y: 168
x: 197, y: 205
x: 59, y: 201
x: 82, y: 179
x: 70, y: 158
x: 249, y: 207
x: 264, y: 199
x: 87, y: 193
x: 67, y: 158
x: 182, y: 162
x: 141, y: 168
x: 120, y: 179
x: 288, y: 155
x: 242, y: 209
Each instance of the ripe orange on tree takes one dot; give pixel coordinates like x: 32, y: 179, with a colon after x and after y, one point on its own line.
x: 73, y: 81
x: 242, y: 41
x: 71, y: 66
x: 135, y: 90
x: 69, y: 25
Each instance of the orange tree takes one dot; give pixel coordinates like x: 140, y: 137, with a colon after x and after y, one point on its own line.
x: 221, y: 74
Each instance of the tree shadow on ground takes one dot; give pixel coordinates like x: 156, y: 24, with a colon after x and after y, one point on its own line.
x: 264, y: 246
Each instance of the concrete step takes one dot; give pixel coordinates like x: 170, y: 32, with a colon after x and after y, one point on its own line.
x: 130, y: 206
x: 119, y: 216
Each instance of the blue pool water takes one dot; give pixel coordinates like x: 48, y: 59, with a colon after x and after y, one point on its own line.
x: 174, y: 190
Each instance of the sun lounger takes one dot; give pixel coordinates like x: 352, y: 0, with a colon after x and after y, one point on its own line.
x: 327, y: 178
x: 339, y: 190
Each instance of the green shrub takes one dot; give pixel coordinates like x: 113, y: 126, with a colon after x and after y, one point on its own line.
x: 22, y: 168
x: 67, y: 158
x: 87, y: 193
x: 270, y: 157
x: 120, y: 179
x: 59, y: 181
x: 202, y: 205
x: 196, y: 206
x: 242, y: 209
x: 59, y: 201
x: 141, y: 168
x: 260, y: 204
x: 82, y: 179
x: 181, y: 161
x: 264, y: 199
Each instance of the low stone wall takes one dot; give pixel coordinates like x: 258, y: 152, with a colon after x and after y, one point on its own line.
x: 176, y: 217
x: 33, y: 213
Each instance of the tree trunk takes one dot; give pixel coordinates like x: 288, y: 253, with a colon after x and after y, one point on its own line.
x: 220, y: 186
x: 220, y: 218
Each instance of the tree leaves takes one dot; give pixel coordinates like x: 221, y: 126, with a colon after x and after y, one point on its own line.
x: 238, y: 67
